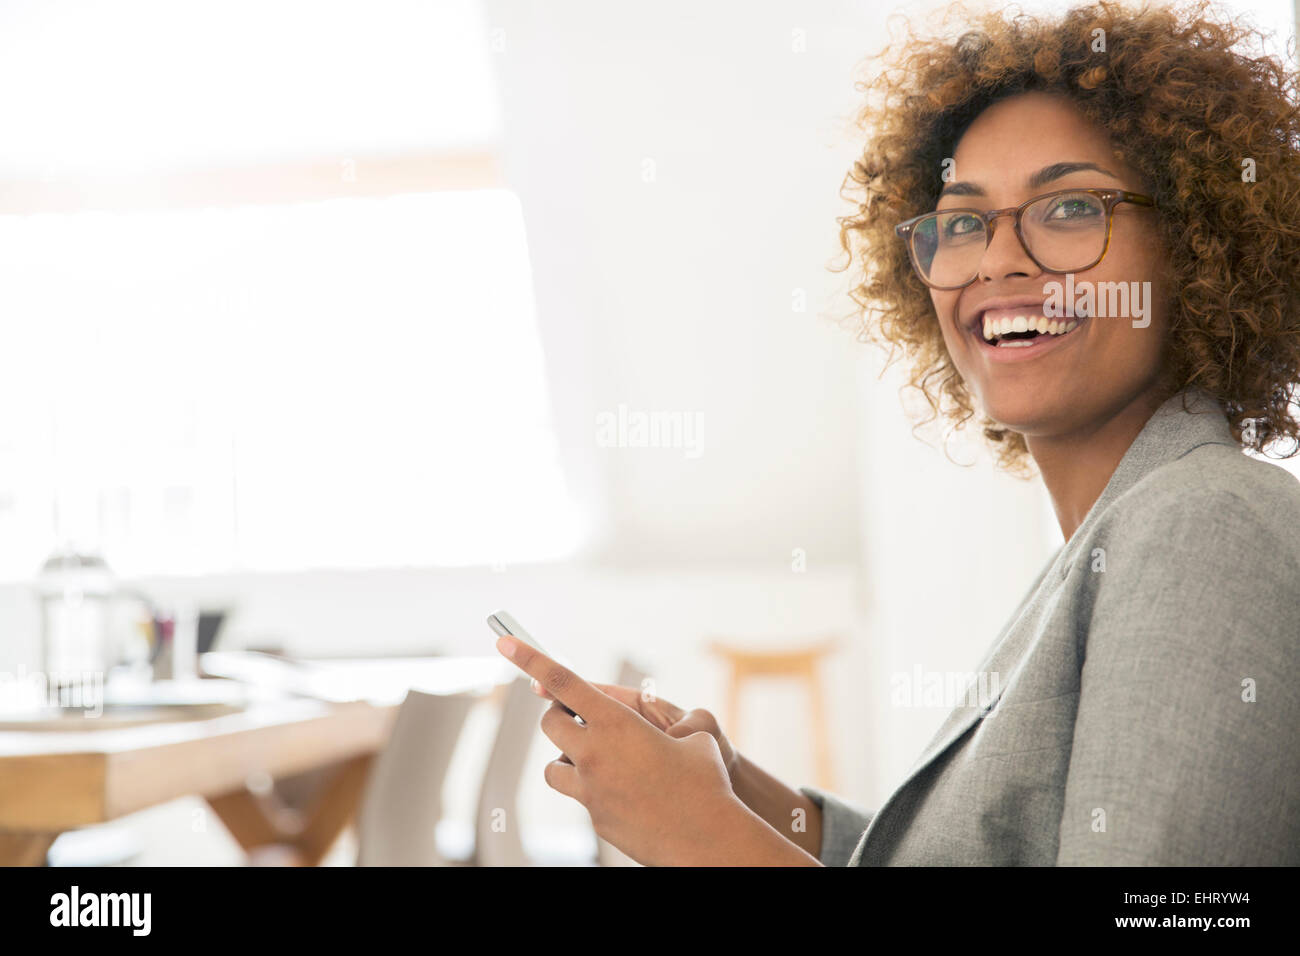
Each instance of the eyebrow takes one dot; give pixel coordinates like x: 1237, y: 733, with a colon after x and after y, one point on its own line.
x: 1041, y: 178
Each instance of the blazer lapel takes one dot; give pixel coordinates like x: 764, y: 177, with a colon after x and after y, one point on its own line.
x: 998, y: 665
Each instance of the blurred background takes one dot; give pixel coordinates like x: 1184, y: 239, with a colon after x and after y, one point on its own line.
x: 335, y: 326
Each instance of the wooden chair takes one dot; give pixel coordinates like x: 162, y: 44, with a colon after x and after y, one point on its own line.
x: 397, y: 823
x: 498, y: 839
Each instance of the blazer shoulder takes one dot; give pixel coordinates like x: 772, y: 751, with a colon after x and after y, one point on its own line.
x: 1213, y: 484
x: 1204, y: 550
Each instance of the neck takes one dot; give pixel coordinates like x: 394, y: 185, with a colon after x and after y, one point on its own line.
x: 1076, y: 466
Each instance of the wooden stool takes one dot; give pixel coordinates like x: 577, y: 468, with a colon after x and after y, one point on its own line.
x: 797, y: 664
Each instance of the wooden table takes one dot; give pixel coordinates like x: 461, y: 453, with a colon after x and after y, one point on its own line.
x: 54, y: 780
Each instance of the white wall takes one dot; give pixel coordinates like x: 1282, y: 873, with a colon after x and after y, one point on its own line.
x: 679, y: 293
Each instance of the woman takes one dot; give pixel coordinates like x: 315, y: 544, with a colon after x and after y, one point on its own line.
x: 1087, y: 230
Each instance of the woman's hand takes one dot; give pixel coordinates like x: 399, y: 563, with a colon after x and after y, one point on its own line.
x: 668, y: 717
x: 662, y: 799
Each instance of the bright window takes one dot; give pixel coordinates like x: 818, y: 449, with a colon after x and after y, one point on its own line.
x: 354, y: 382
x: 328, y: 356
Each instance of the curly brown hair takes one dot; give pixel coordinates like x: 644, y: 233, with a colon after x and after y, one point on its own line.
x: 1186, y: 107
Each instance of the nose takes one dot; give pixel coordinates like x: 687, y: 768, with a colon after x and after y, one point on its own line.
x: 1005, y: 256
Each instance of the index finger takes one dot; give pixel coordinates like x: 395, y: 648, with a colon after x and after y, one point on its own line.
x: 658, y: 711
x: 627, y: 696
x: 560, y: 682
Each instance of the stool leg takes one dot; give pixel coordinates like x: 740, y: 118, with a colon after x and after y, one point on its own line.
x: 732, y: 727
x: 821, y: 736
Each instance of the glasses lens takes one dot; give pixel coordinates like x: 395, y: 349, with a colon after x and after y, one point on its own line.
x: 1065, y: 232
x: 948, y: 247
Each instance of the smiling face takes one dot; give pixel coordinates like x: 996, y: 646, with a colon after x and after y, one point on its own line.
x: 1064, y: 380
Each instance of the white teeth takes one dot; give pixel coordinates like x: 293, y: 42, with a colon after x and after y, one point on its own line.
x: 994, y: 328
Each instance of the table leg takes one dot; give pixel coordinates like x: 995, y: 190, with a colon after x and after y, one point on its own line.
x: 336, y: 806
x: 270, y: 832
x: 24, y: 849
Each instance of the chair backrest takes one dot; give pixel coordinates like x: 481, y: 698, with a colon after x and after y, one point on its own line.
x: 497, y: 838
x: 397, y: 822
x: 496, y: 829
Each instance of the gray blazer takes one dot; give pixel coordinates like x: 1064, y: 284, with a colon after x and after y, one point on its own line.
x: 1147, y: 709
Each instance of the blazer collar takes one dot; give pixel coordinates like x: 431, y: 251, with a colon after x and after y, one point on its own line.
x: 1187, y: 420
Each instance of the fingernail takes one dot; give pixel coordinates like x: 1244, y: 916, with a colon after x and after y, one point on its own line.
x: 507, y: 647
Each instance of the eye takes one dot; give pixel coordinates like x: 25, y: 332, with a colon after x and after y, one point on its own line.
x: 1072, y: 208
x: 961, y: 224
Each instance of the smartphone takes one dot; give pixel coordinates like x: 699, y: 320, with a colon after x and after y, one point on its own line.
x: 506, y: 626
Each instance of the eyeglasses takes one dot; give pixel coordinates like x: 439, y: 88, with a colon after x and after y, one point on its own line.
x: 1063, y: 231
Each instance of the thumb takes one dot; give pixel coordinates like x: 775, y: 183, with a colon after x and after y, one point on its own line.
x: 661, y: 713
x: 692, y: 722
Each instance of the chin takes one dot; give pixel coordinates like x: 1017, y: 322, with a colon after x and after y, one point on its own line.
x: 1022, y: 415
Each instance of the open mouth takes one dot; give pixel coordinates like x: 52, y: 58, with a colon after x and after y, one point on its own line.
x: 999, y: 328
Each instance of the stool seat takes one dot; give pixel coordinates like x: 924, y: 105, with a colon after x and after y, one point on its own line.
x: 778, y: 661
